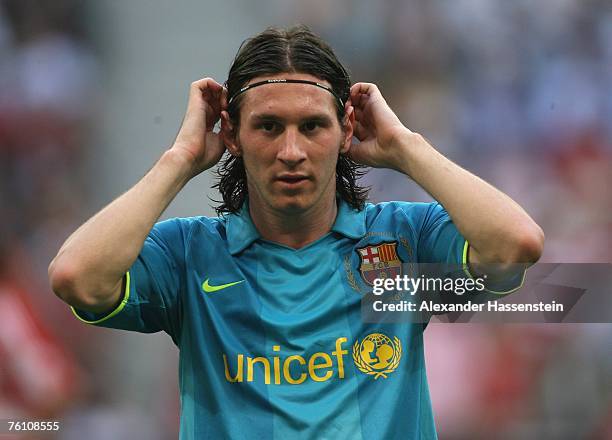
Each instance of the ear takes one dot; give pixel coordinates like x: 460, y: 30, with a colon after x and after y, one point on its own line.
x: 347, y: 127
x: 229, y: 134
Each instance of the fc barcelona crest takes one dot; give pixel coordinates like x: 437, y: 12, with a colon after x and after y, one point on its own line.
x: 379, y: 261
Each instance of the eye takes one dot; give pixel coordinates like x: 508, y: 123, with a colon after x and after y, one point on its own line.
x: 268, y: 126
x: 310, y: 126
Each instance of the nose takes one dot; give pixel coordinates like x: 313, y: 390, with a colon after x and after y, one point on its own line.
x: 291, y: 152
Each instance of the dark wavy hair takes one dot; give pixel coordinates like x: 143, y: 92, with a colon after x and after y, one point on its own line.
x: 273, y: 51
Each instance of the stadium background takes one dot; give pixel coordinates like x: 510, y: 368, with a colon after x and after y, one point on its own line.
x: 92, y: 92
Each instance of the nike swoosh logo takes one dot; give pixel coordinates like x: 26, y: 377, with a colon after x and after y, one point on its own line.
x: 208, y: 288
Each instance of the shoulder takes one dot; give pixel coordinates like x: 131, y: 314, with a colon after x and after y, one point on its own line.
x: 413, y: 213
x: 183, y: 230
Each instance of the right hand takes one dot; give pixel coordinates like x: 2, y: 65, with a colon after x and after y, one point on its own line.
x: 196, y: 142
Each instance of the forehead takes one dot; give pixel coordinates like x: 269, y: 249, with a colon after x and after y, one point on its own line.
x: 288, y: 99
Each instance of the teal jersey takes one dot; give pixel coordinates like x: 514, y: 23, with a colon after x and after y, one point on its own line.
x: 272, y: 344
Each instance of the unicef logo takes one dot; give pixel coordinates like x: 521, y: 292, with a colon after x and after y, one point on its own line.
x: 377, y: 355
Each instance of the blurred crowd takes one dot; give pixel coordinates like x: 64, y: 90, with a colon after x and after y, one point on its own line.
x: 518, y: 92
x: 45, y: 77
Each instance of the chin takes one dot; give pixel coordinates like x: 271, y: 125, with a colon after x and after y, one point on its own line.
x: 293, y: 204
x: 292, y: 208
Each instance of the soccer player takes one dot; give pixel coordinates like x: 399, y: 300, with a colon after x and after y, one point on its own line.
x: 264, y: 301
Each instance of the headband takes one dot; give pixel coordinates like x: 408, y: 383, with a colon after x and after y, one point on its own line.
x: 291, y: 81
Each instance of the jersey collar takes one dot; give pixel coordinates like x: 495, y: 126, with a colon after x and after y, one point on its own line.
x: 350, y: 222
x: 241, y: 231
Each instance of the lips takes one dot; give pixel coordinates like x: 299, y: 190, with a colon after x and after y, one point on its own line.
x: 292, y: 179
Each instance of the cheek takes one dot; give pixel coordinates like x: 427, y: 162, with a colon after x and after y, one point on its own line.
x: 258, y: 164
x: 256, y: 152
x: 326, y: 164
x: 328, y: 153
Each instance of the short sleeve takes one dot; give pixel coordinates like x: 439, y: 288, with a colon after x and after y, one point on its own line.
x: 439, y: 241
x: 152, y: 286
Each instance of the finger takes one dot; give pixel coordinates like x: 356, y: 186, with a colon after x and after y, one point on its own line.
x: 202, y: 88
x: 212, y: 117
x: 224, y: 99
x: 215, y: 102
x: 359, y: 114
x: 206, y: 89
x: 355, y: 98
x: 360, y: 131
x: 207, y: 83
x: 361, y: 101
x: 363, y: 88
x: 361, y: 93
x: 359, y: 89
x: 210, y: 92
x: 364, y: 117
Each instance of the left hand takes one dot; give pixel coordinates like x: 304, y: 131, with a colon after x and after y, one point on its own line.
x: 377, y: 128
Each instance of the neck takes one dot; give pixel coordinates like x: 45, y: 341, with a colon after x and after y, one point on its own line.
x: 298, y: 229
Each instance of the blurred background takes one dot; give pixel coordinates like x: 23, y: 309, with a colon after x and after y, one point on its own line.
x: 91, y: 93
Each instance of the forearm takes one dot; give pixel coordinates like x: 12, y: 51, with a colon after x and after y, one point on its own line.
x: 497, y: 228
x: 88, y: 269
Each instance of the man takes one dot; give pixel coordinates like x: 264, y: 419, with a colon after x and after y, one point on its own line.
x: 264, y: 301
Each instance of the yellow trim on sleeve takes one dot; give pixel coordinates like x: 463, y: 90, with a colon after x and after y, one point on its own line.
x: 466, y: 269
x: 119, y: 308
x: 465, y: 261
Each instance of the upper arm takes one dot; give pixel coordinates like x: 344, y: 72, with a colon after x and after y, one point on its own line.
x: 438, y: 240
x: 148, y: 298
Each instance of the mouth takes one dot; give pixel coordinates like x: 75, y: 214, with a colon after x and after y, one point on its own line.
x: 291, y: 179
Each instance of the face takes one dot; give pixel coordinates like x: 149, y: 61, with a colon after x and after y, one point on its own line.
x: 289, y: 137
